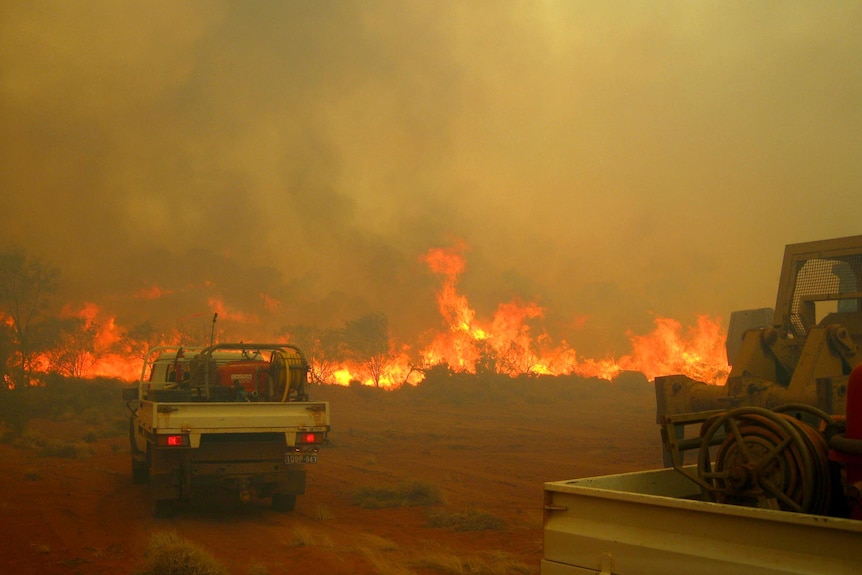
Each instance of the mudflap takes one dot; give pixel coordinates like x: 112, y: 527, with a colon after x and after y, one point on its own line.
x: 284, y: 494
x: 164, y: 486
x: 166, y: 481
x: 292, y: 482
x: 164, y: 492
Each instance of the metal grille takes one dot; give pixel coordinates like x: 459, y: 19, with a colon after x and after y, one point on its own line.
x: 823, y: 277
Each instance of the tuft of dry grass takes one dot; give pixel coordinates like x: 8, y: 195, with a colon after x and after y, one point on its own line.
x: 491, y: 563
x: 406, y: 494
x: 51, y: 447
x: 302, y: 537
x: 384, y: 565
x: 32, y: 475
x: 257, y: 569
x: 441, y: 561
x: 170, y: 554
x: 470, y: 520
x: 370, y: 540
x: 322, y: 513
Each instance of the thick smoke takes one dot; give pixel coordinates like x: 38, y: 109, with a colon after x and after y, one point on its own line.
x: 291, y: 162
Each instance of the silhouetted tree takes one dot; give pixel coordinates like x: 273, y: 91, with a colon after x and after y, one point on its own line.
x: 193, y: 333
x: 486, y: 364
x: 137, y: 340
x: 367, y: 340
x: 440, y: 372
x: 7, y: 348
x: 514, y: 360
x: 26, y: 284
x: 72, y: 351
x: 323, y: 349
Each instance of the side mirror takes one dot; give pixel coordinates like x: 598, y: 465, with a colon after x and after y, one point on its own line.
x: 130, y: 393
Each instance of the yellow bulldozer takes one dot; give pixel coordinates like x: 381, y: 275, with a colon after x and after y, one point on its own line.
x: 768, y: 437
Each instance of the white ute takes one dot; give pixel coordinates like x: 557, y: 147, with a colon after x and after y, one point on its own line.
x: 233, y: 417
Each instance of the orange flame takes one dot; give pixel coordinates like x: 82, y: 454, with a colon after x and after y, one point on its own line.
x: 104, y: 360
x: 269, y: 302
x: 217, y: 305
x: 154, y: 292
x: 700, y: 354
x: 507, y: 339
x: 512, y: 341
x: 506, y: 344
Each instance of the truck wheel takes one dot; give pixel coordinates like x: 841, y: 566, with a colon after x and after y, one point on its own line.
x: 140, y: 471
x: 163, y: 508
x: 283, y: 502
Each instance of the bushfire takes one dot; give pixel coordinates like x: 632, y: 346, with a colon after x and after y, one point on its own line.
x: 503, y: 343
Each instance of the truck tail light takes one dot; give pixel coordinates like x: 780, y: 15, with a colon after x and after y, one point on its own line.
x: 310, y: 437
x: 176, y: 440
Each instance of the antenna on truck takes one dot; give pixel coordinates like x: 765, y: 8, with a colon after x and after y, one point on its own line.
x: 212, y: 332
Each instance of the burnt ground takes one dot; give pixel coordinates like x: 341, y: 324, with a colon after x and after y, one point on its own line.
x: 486, y: 449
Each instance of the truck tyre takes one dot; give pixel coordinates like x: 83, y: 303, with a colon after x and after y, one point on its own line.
x: 163, y: 508
x: 140, y: 471
x: 283, y: 502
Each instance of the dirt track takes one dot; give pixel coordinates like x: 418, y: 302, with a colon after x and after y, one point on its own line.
x: 85, y: 516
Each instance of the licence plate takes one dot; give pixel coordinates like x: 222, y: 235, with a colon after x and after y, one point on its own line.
x: 300, y: 458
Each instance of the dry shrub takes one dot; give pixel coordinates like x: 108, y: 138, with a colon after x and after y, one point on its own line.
x: 322, y: 513
x: 384, y: 565
x: 406, y: 494
x: 370, y: 540
x: 302, y: 537
x: 492, y: 563
x: 52, y: 447
x: 441, y: 561
x: 497, y: 563
x: 169, y: 554
x: 257, y: 569
x: 470, y: 520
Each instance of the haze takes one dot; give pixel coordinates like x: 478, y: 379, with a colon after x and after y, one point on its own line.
x: 292, y: 162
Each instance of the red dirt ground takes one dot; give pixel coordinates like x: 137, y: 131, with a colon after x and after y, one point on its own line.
x: 85, y: 516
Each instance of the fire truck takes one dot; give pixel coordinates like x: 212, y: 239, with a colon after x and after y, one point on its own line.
x: 233, y: 417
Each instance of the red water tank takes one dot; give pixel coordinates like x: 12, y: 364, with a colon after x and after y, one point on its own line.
x: 846, y: 448
x: 854, y: 404
x: 251, y: 375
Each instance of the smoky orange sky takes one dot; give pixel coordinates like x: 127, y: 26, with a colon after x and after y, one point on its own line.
x: 292, y: 162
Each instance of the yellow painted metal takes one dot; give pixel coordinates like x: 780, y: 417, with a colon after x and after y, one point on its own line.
x: 805, y: 357
x: 654, y: 523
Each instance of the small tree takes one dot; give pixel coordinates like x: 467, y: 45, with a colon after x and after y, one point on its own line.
x: 486, y: 364
x: 137, y: 340
x: 367, y: 340
x: 7, y: 346
x: 26, y: 284
x: 322, y: 348
x: 72, y: 353
x: 195, y: 333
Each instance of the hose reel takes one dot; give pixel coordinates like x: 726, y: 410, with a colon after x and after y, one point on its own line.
x: 767, y: 459
x: 288, y: 375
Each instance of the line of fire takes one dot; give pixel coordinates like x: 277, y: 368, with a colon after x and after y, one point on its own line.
x: 363, y: 352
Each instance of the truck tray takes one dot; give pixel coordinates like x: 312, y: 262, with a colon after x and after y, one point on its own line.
x: 655, y: 523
